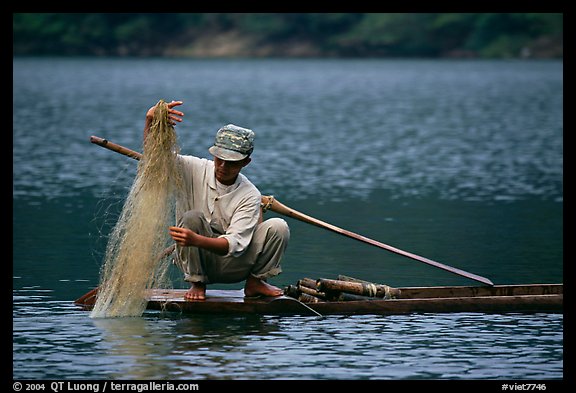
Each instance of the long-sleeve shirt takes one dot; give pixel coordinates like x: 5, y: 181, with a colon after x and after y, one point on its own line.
x: 233, y: 215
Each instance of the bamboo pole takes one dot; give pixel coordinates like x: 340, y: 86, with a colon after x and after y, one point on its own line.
x: 307, y: 282
x: 278, y: 207
x: 357, y: 288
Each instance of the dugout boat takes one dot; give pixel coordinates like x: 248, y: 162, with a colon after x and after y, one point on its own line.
x: 339, y: 297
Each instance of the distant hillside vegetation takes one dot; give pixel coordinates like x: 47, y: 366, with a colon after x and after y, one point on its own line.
x: 481, y: 35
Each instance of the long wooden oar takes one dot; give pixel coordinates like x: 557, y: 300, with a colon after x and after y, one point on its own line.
x: 286, y: 211
x: 270, y: 203
x: 114, y: 147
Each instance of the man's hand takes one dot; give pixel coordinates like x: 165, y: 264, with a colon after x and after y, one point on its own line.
x: 173, y: 114
x: 184, y: 237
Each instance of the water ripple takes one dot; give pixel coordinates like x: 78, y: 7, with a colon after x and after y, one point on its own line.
x: 161, y: 346
x: 453, y: 130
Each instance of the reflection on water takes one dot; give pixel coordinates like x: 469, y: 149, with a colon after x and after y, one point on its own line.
x: 458, y: 161
x: 169, y: 346
x: 172, y: 346
x: 130, y: 342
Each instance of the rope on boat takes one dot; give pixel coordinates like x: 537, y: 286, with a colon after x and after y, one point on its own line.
x: 304, y: 305
x: 370, y: 289
x: 269, y: 201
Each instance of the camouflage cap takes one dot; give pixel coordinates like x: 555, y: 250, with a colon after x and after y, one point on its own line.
x: 233, y: 143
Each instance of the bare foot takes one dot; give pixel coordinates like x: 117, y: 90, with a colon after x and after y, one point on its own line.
x: 197, y: 291
x: 256, y: 287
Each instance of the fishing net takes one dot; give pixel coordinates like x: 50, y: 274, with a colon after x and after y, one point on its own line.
x: 134, y: 262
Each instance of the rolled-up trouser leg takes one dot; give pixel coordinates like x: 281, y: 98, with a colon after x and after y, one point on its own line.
x: 193, y: 260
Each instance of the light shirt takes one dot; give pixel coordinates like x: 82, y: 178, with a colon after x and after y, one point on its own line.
x: 233, y: 212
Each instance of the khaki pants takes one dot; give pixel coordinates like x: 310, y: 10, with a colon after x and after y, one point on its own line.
x: 261, y: 258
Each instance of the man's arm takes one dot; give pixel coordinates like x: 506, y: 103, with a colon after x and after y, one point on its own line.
x: 186, y: 237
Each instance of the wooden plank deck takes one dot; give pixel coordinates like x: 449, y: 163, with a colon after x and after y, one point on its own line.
x: 498, y: 299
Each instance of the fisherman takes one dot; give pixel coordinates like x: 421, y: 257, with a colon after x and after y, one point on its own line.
x: 220, y: 234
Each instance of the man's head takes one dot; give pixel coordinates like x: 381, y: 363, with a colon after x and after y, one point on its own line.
x: 231, y: 151
x: 233, y: 143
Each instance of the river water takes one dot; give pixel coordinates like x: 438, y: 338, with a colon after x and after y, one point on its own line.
x: 458, y: 161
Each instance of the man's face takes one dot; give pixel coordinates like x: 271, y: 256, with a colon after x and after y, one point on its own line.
x: 227, y: 171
